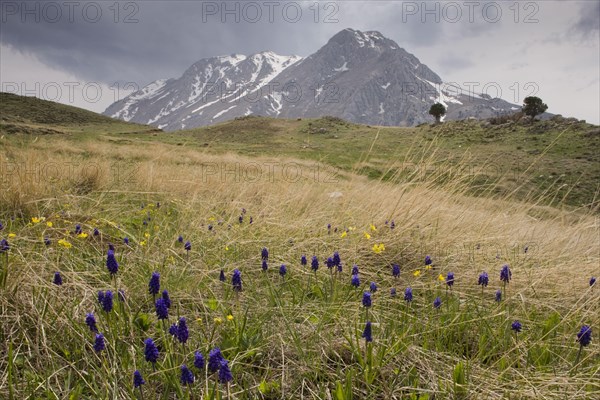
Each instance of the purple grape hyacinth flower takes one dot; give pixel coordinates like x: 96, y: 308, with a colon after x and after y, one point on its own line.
x: 314, y: 264
x: 355, y: 270
x: 150, y: 351
x: 437, y: 302
x: 484, y: 279
x: 395, y: 270
x: 516, y: 326
x: 187, y: 377
x: 303, y: 260
x: 368, y: 333
x: 408, y: 294
x: 264, y: 265
x: 111, y: 262
x: 282, y: 270
x: 373, y: 287
x: 236, y: 280
x: 264, y: 253
x: 366, y: 300
x: 592, y: 281
x: 162, y: 312
x: 183, y: 332
x: 584, y: 336
x: 57, y: 279
x: 138, y: 380
x: 154, y: 284
x: 90, y: 321
x: 214, y: 359
x: 355, y: 280
x: 224, y: 372
x: 498, y: 295
x: 505, y: 274
x: 99, y: 343
x: 166, y: 298
x: 450, y: 279
x: 198, y: 360
x: 222, y: 276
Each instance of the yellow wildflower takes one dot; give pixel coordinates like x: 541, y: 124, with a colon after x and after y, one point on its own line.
x: 12, y: 235
x: 65, y: 244
x: 82, y: 235
x: 36, y: 220
x: 143, y: 243
x: 428, y: 267
x: 417, y: 272
x: 351, y: 228
x: 230, y: 317
x: 344, y: 234
x: 147, y: 234
x: 367, y: 236
x: 49, y: 224
x: 226, y: 248
x: 218, y: 320
x: 378, y: 248
x: 441, y: 278
x: 373, y: 228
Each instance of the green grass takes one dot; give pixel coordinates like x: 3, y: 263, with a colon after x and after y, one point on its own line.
x: 523, y: 160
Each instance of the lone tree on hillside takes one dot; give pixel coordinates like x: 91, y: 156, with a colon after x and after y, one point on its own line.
x: 437, y: 110
x: 533, y: 106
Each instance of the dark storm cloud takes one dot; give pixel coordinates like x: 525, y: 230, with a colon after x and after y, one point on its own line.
x: 145, y: 41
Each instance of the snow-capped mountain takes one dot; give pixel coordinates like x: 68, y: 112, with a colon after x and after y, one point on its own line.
x: 362, y: 77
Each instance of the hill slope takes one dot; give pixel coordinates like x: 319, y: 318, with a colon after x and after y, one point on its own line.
x: 23, y: 114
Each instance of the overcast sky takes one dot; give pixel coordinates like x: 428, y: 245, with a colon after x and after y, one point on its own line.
x: 81, y: 53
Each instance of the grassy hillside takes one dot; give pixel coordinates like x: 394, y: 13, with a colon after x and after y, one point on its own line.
x: 552, y: 162
x: 22, y: 114
x: 64, y: 198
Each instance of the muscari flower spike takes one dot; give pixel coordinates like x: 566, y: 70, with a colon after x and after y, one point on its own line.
x: 90, y: 321
x: 437, y: 302
x: 111, y: 262
x: 484, y: 279
x: 355, y: 270
x: 162, y: 312
x: 57, y: 279
x: 236, y: 280
x: 180, y: 239
x: 282, y: 270
x: 187, y: 246
x: 366, y: 300
x: 355, y: 280
x: 584, y: 336
x: 182, y: 331
x: 368, y: 333
x: 408, y: 294
x: 47, y: 241
x: 173, y: 330
x: 138, y: 380
x: 166, y: 298
x: 4, y: 246
x: 395, y: 270
x: 121, y: 295
x: 126, y: 240
x: 198, y: 360
x: 187, y: 377
x: 214, y: 359
x: 373, y: 287
x: 264, y: 253
x: 330, y: 264
x: 96, y: 232
x: 106, y: 300
x: 337, y: 261
x: 99, y: 344
x: 428, y: 260
x: 264, y: 265
x: 150, y: 350
x: 303, y: 260
x: 222, y: 276
x: 450, y: 279
x: 592, y: 281
x: 498, y: 295
x: 314, y: 264
x: 505, y: 273
x: 154, y: 284
x: 224, y: 372
x: 78, y: 229
x: 393, y: 292
x: 516, y: 326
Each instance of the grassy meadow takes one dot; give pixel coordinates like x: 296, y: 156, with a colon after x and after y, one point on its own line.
x: 296, y: 333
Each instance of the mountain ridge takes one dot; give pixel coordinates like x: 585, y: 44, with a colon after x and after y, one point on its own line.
x: 362, y: 77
